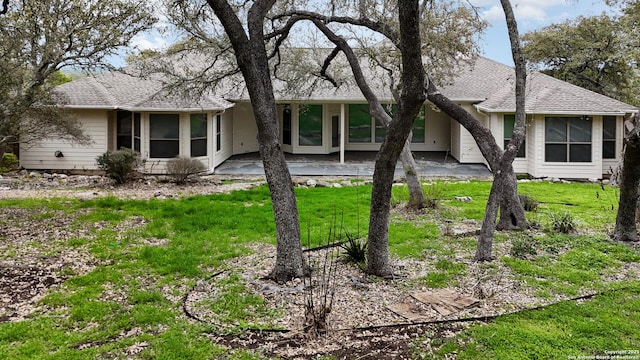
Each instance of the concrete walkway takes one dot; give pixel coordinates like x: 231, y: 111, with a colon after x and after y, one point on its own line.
x: 428, y: 164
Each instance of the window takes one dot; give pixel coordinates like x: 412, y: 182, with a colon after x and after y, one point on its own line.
x: 198, y: 135
x: 359, y: 123
x: 136, y: 132
x: 509, y: 123
x: 286, y: 125
x: 218, y: 133
x: 418, y: 133
x: 128, y: 130
x: 568, y: 139
x: 164, y: 141
x: 124, y: 130
x: 608, y: 137
x: 310, y: 133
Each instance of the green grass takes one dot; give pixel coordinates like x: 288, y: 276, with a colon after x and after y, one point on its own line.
x: 150, y: 253
x: 608, y: 322
x: 444, y: 274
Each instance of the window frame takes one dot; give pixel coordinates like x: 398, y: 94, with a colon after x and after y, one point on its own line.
x: 218, y: 133
x: 609, y: 140
x: 202, y: 137
x: 522, y: 151
x: 568, y: 143
x: 312, y: 111
x: 175, y: 117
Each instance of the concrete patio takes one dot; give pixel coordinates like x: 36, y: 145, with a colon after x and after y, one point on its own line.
x: 429, y: 165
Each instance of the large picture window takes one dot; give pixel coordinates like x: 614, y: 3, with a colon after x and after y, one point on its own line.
x: 310, y: 132
x: 608, y: 137
x: 198, y: 135
x: 164, y: 130
x: 568, y: 139
x: 361, y: 125
x: 509, y: 123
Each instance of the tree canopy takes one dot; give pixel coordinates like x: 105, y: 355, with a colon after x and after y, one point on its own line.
x: 599, y: 53
x: 39, y: 38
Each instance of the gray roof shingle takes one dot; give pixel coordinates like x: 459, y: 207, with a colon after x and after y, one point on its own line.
x: 486, y: 83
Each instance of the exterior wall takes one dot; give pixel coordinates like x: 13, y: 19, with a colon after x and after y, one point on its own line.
x: 520, y: 165
x: 567, y: 170
x: 226, y: 146
x: 41, y: 156
x: 245, y: 130
x: 456, y: 129
x: 467, y: 148
x: 437, y: 132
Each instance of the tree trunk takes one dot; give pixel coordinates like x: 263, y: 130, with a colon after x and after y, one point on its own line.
x: 485, y: 238
x: 512, y: 215
x: 412, y: 97
x: 416, y: 196
x: 625, y: 229
x: 251, y: 56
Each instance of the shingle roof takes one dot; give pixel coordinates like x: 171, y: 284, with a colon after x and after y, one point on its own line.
x: 117, y: 90
x: 486, y: 83
x: 548, y: 95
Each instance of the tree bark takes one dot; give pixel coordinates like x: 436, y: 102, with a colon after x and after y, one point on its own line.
x: 625, y: 229
x: 411, y: 99
x: 512, y: 215
x: 485, y: 238
x: 252, y: 59
x: 416, y: 195
x: 504, y: 181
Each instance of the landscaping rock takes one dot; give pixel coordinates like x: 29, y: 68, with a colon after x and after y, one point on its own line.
x: 311, y: 183
x: 464, y: 198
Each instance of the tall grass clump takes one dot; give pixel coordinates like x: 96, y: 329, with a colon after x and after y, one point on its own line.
x: 562, y: 221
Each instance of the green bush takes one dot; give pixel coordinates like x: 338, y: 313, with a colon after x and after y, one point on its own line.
x: 120, y: 165
x: 9, y: 162
x: 562, y: 221
x: 180, y: 169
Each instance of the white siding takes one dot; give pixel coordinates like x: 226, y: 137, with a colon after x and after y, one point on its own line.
x: 469, y: 151
x: 40, y: 156
x: 245, y: 131
x: 455, y: 139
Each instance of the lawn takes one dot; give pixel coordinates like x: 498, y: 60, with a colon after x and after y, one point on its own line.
x: 118, y: 273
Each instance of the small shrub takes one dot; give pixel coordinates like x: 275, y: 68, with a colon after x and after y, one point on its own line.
x: 520, y: 248
x: 562, y: 222
x: 120, y: 165
x: 9, y: 162
x: 528, y: 203
x: 355, y: 249
x: 181, y: 168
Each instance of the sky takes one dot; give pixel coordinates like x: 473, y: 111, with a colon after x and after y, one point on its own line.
x: 530, y: 14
